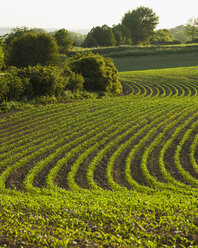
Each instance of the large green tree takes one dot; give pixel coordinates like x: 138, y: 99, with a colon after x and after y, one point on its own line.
x: 142, y: 22
x: 64, y: 41
x: 17, y: 32
x: 100, y: 36
x: 122, y: 34
x: 191, y: 28
x: 32, y: 49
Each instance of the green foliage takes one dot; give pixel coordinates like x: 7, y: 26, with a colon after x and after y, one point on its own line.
x: 75, y: 81
x: 4, y: 88
x: 63, y: 40
x: 12, y: 87
x: 1, y: 57
x: 45, y: 80
x: 99, y: 73
x: 179, y: 33
x: 15, y: 33
x: 142, y: 22
x: 191, y: 28
x: 77, y: 38
x: 122, y: 35
x: 163, y: 37
x: 31, y: 49
x: 100, y: 36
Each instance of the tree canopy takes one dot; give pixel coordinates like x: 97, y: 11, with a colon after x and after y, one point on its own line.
x: 191, y: 28
x: 162, y: 37
x: 63, y: 40
x: 31, y: 49
x: 142, y: 22
x: 17, y: 32
x: 100, y: 36
x: 122, y: 34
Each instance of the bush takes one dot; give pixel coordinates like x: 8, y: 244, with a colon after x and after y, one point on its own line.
x: 31, y: 49
x: 45, y: 80
x: 75, y: 81
x: 4, y: 88
x: 99, y: 73
x: 12, y: 87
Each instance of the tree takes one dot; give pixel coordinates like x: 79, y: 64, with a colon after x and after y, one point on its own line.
x: 17, y: 32
x: 99, y: 73
x: 142, y: 22
x: 100, y: 36
x: 63, y: 40
x: 191, y: 28
x: 179, y: 33
x: 122, y: 34
x: 32, y: 49
x: 162, y: 37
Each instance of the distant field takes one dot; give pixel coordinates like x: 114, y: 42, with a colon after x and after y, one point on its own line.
x: 134, y: 58
x: 123, y: 51
x: 135, y: 63
x: 113, y: 172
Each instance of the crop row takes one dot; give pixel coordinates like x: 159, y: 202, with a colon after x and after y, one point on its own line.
x: 106, y: 135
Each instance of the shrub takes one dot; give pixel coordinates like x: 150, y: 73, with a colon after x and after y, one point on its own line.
x: 99, y: 73
x: 45, y: 80
x: 4, y: 88
x: 75, y: 81
x: 12, y: 87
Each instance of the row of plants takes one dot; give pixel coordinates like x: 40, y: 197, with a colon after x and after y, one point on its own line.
x: 87, y: 170
x: 156, y: 142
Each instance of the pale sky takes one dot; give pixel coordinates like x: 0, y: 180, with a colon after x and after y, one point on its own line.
x: 85, y: 14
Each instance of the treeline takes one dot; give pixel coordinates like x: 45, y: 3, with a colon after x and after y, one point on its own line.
x: 136, y: 28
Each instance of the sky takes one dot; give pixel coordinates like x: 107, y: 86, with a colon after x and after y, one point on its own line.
x: 85, y: 14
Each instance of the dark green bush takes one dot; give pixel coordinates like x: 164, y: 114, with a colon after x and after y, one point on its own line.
x: 99, y: 73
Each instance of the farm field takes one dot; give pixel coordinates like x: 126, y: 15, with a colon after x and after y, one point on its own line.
x: 112, y: 172
x: 135, y: 58
x: 149, y: 62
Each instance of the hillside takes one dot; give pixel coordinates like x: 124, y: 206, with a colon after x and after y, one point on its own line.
x: 112, y: 172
